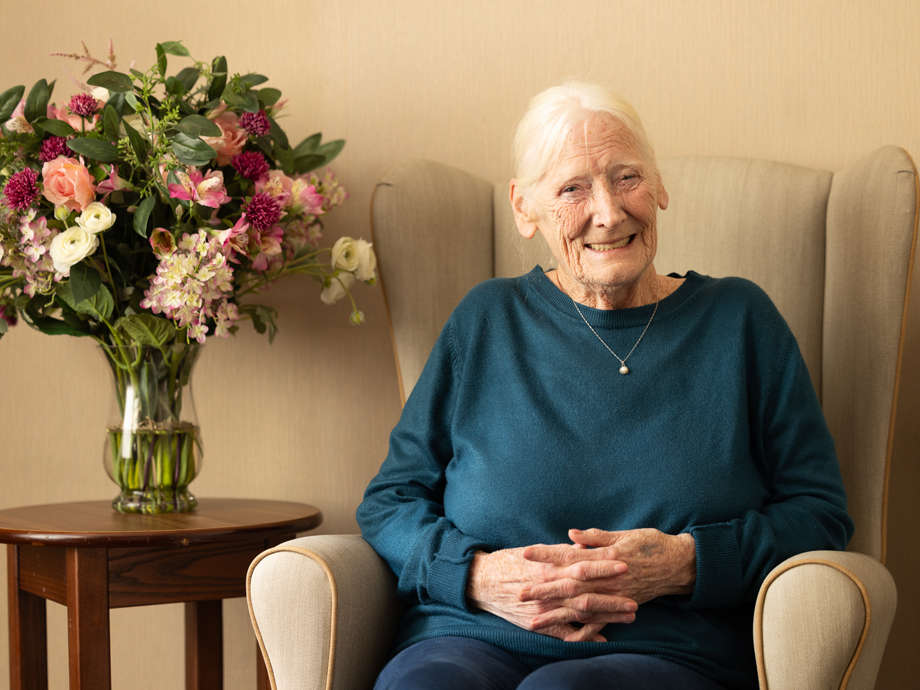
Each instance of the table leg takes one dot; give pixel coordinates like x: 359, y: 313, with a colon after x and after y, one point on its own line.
x: 28, y: 631
x: 88, y: 618
x: 204, y: 645
x: 261, y: 672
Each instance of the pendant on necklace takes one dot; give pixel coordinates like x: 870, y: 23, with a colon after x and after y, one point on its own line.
x: 624, y: 370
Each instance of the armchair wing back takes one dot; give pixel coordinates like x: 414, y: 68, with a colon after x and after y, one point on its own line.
x: 837, y: 254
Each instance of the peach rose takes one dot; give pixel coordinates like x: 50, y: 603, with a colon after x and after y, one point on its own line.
x: 231, y: 140
x: 67, y: 182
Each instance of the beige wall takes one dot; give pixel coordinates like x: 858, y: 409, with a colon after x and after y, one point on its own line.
x: 816, y: 82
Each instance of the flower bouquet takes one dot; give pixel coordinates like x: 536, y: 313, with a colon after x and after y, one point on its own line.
x: 144, y: 213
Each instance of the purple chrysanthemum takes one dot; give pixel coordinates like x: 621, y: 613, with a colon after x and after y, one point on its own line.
x: 83, y: 104
x: 263, y: 212
x: 52, y: 147
x: 20, y: 191
x: 256, y: 124
x: 250, y: 164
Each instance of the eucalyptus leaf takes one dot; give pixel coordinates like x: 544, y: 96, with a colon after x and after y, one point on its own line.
x: 219, y: 77
x: 286, y: 160
x: 37, y: 100
x: 113, y: 81
x: 308, y: 145
x: 138, y: 143
x: 198, y: 125
x: 174, y: 48
x: 111, y: 122
x: 188, y: 76
x: 84, y: 282
x: 58, y: 128
x: 131, y: 100
x: 278, y: 134
x: 174, y: 86
x: 9, y: 99
x: 161, y: 59
x: 96, y: 149
x: 331, y: 149
x: 244, y: 101
x: 268, y: 97
x: 191, y: 150
x: 142, y: 215
x: 306, y: 163
x: 253, y: 79
x: 146, y: 329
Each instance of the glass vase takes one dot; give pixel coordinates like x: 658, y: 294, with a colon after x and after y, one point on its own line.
x: 152, y: 442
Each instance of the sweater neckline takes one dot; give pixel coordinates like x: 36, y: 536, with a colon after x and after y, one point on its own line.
x: 610, y: 318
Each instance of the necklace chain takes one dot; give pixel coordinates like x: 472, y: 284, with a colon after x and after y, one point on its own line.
x: 622, y: 360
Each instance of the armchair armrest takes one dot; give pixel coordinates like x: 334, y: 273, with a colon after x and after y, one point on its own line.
x: 324, y: 610
x: 821, y: 621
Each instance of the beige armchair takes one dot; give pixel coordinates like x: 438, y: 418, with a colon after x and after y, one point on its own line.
x: 835, y: 251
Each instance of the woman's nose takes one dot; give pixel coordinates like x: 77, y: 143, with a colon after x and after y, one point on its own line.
x: 607, y: 207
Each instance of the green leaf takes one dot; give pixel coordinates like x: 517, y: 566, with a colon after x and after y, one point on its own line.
x: 142, y: 215
x: 33, y: 314
x: 37, y: 100
x: 174, y: 48
x: 161, y: 60
x: 219, y: 78
x: 58, y: 128
x: 192, y: 150
x: 113, y: 81
x: 253, y: 79
x: 97, y: 149
x: 243, y: 101
x: 138, y: 143
x: 268, y: 97
x: 146, y: 329
x: 99, y: 307
x: 198, y: 125
x: 308, y: 145
x: 331, y: 149
x: 84, y: 282
x: 188, y: 76
x: 9, y: 99
x: 263, y: 318
x: 131, y: 100
x: 111, y: 122
x: 308, y: 162
x: 286, y: 160
x: 278, y: 134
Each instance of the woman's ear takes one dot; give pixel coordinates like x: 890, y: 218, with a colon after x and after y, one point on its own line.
x: 523, y: 217
x: 663, y: 197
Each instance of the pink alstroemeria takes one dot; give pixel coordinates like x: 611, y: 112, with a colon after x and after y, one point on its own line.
x: 162, y: 242
x: 207, y: 189
x: 277, y: 185
x: 234, y: 240
x: 112, y: 183
x: 268, y: 247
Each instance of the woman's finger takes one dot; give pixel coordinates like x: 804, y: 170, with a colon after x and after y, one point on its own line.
x: 587, y: 633
x: 588, y: 608
x: 593, y: 537
x: 569, y: 588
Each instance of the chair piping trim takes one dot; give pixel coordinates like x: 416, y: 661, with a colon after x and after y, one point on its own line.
x: 889, y: 451
x: 758, y: 618
x: 333, y: 614
x: 386, y: 302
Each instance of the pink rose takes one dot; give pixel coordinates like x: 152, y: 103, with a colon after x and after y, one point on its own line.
x: 231, y: 140
x: 67, y: 183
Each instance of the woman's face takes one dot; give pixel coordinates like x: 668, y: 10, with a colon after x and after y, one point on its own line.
x: 597, y: 209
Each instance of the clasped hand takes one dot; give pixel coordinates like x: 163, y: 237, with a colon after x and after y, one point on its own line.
x: 598, y: 579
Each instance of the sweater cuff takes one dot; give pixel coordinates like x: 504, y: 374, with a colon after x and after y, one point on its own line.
x: 450, y: 570
x: 719, y: 579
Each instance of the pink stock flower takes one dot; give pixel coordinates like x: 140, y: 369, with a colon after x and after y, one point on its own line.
x: 204, y: 189
x: 21, y: 189
x: 67, y: 183
x: 277, y: 185
x: 231, y: 139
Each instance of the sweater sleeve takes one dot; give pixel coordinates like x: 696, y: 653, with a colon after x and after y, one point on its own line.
x: 402, y: 514
x: 806, y: 505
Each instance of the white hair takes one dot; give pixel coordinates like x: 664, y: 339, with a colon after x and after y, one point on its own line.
x: 549, y: 119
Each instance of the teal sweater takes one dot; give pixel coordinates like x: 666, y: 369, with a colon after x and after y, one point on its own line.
x: 520, y: 427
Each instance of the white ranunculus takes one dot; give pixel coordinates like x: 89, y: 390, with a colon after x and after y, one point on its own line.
x: 367, y: 261
x: 100, y: 93
x: 344, y: 254
x: 71, y: 247
x: 1, y: 252
x: 96, y: 217
x: 336, y: 288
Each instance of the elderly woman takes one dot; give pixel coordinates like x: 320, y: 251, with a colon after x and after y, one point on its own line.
x: 599, y: 464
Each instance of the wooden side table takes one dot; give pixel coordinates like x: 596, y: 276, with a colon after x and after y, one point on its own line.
x: 90, y: 559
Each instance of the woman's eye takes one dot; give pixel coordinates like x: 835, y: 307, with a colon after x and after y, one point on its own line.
x: 569, y: 188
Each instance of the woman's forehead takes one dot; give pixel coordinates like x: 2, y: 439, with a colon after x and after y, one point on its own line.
x: 598, y: 139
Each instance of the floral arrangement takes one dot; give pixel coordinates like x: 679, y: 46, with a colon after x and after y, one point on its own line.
x: 154, y: 204
x: 143, y: 213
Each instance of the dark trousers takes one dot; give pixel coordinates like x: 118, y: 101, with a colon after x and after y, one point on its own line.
x: 459, y: 663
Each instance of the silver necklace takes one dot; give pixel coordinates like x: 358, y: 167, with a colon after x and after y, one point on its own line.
x: 622, y: 360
